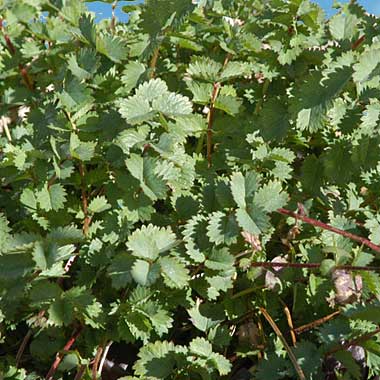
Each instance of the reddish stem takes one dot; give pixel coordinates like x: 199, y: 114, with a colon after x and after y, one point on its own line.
x: 311, y: 266
x: 327, y: 227
x: 97, y: 360
x: 358, y: 42
x: 61, y: 354
x: 12, y: 49
x: 354, y: 342
x: 318, y: 322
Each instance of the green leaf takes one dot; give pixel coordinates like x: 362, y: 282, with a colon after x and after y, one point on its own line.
x: 368, y: 66
x: 15, y: 266
x: 82, y: 150
x: 175, y: 274
x: 222, y: 228
x: 143, y: 169
x: 136, y: 110
x: 156, y: 360
x: 151, y: 98
x: 157, y: 15
x: 270, y: 196
x: 228, y: 104
x: 312, y: 174
x: 99, y: 204
x: 132, y: 73
x: 204, y: 68
x: 315, y: 96
x: 4, y: 232
x: 51, y: 198
x: 28, y: 199
x: 149, y: 241
x: 113, y: 47
x: 75, y: 96
x: 140, y: 272
x: 274, y: 120
x: 243, y: 187
x: 120, y: 270
x: 252, y: 220
x: 353, y: 368
x: 343, y: 26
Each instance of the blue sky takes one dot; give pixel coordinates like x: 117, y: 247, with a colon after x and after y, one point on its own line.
x: 103, y: 10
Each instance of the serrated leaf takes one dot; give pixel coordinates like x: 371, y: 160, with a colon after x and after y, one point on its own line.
x: 149, y: 241
x: 82, y: 150
x: 132, y: 73
x: 252, y: 220
x: 343, y: 26
x: 28, y: 199
x: 173, y: 105
x: 312, y: 174
x: 175, y: 274
x: 229, y: 104
x: 274, y: 119
x: 51, y: 198
x: 157, y: 15
x: 113, y: 47
x: 368, y: 66
x: 99, y: 204
x: 270, y: 196
x: 201, y: 347
x: 315, y: 97
x: 222, y: 228
x: 205, y: 68
x: 120, y: 270
x: 143, y: 169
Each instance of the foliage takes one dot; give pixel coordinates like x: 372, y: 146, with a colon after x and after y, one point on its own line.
x: 145, y: 168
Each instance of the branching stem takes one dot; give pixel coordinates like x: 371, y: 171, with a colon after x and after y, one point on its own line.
x: 354, y: 342
x: 316, y: 323
x: 327, y: 227
x: 288, y: 349
x: 61, y: 354
x: 312, y: 266
x: 12, y: 49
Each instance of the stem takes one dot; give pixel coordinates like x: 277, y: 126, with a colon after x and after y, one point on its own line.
x: 247, y: 291
x: 288, y: 349
x: 153, y: 62
x: 312, y: 266
x: 97, y: 359
x: 318, y: 322
x: 354, y: 342
x: 12, y: 49
x: 210, y: 121
x: 290, y: 323
x: 87, y: 218
x: 7, y: 132
x: 80, y: 372
x: 113, y: 20
x: 61, y: 354
x: 104, y: 357
x: 327, y: 227
x: 22, y: 347
x: 358, y: 42
x: 26, y: 339
x: 210, y: 116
